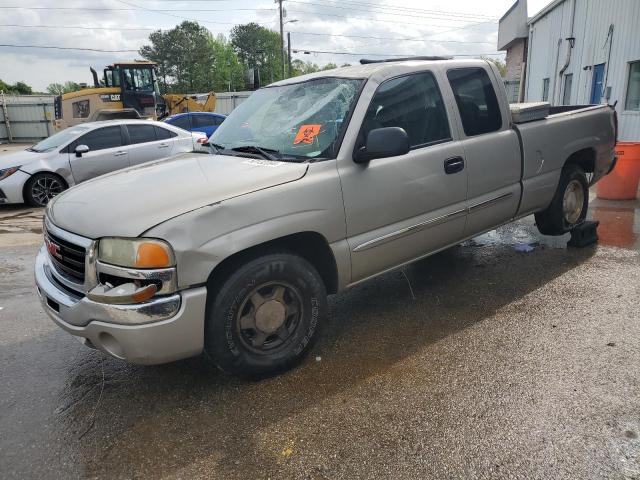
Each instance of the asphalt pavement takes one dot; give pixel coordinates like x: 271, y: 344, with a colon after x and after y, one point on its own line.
x: 509, y: 356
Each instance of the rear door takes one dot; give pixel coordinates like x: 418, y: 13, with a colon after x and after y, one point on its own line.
x: 491, y: 149
x: 401, y: 208
x: 107, y: 152
x: 145, y: 145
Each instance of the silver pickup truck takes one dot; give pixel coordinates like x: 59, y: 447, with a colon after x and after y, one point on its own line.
x: 315, y: 184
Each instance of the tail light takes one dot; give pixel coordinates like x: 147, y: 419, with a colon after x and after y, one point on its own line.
x: 202, y: 140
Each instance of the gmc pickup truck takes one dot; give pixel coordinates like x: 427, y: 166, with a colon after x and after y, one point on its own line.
x: 314, y: 184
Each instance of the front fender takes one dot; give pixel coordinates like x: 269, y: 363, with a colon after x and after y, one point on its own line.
x: 58, y: 166
x: 205, y: 237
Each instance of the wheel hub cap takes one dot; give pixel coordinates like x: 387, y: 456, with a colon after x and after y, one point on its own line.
x: 270, y: 316
x: 572, y: 202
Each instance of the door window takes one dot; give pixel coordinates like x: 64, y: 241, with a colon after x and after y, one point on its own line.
x: 412, y: 102
x: 476, y: 100
x: 164, y: 134
x: 182, y: 122
x: 633, y: 88
x: 545, y: 89
x: 102, y: 138
x: 141, y: 133
x: 203, y: 121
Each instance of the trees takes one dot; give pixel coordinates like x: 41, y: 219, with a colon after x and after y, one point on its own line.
x: 19, y: 88
x: 190, y: 60
x: 258, y: 47
x: 60, y: 88
x: 502, y: 67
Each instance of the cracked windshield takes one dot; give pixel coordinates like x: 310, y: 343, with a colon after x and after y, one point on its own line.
x: 302, y: 120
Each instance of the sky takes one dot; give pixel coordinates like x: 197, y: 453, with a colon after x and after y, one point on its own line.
x: 343, y: 30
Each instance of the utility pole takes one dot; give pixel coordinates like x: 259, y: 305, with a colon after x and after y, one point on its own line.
x: 281, y: 36
x: 289, y: 51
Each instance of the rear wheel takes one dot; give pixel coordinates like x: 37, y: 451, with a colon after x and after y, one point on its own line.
x: 42, y: 187
x: 265, y: 316
x: 569, y: 205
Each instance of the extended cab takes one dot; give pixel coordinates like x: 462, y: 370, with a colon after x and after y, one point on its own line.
x: 314, y: 184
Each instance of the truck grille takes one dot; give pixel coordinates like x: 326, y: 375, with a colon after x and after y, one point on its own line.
x: 67, y: 257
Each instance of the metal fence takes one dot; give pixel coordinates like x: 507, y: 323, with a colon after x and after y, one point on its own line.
x: 227, y: 101
x: 25, y: 118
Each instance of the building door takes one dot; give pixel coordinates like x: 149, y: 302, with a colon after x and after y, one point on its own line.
x: 596, y: 86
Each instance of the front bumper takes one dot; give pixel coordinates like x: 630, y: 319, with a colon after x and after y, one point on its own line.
x: 161, y: 330
x: 12, y: 187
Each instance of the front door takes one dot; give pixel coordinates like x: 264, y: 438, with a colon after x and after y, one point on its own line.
x: 401, y: 208
x: 491, y: 149
x: 106, y: 153
x: 597, y: 83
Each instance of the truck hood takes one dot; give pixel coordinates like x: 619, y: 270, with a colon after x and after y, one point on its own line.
x: 131, y: 201
x: 20, y: 158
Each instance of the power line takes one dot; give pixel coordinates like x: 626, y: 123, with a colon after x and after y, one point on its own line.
x: 407, y: 14
x: 306, y: 50
x: 78, y: 27
x: 66, y: 48
x: 386, y: 21
x: 120, y: 9
x: 412, y: 9
x: 412, y: 39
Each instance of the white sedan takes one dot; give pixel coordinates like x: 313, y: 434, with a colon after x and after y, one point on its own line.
x: 85, y: 151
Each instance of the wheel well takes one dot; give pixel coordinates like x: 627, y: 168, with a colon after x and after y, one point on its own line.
x: 585, y: 159
x: 26, y: 184
x: 311, y: 246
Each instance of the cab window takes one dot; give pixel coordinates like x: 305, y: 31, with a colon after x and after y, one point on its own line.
x: 412, y: 102
x: 476, y: 100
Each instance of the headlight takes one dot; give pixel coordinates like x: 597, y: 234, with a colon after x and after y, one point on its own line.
x: 7, y: 172
x: 136, y: 253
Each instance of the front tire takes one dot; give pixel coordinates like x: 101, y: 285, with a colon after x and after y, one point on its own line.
x: 265, y: 317
x: 42, y: 187
x: 568, y: 208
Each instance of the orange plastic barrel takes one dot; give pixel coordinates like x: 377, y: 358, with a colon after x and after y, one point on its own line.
x: 622, y: 182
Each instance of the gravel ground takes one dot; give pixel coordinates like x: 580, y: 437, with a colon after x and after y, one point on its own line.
x: 509, y: 356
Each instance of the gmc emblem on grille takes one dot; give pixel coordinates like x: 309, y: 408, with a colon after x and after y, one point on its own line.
x: 52, y: 248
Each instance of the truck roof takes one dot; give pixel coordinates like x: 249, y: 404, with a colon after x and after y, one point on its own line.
x: 382, y: 70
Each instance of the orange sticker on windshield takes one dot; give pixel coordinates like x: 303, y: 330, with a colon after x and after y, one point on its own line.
x: 306, y: 134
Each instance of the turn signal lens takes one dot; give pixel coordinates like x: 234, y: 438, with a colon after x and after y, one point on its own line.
x: 152, y: 255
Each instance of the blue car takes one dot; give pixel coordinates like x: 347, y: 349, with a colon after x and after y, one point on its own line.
x: 204, y: 122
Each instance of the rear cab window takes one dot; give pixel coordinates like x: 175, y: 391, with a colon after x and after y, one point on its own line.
x: 476, y: 100
x: 412, y: 102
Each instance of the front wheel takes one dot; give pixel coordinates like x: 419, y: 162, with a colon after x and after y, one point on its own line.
x: 265, y: 317
x: 569, y: 205
x: 42, y: 187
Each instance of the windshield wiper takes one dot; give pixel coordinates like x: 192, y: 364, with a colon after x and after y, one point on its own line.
x: 267, y: 153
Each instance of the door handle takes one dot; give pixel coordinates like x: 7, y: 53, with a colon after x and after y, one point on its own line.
x: 119, y: 154
x: 453, y: 165
x: 164, y: 145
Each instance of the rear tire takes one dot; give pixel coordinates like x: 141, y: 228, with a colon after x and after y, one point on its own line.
x: 265, y: 317
x: 569, y: 205
x: 42, y: 187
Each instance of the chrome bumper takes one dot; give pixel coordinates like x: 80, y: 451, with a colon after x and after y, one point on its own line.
x: 158, y: 331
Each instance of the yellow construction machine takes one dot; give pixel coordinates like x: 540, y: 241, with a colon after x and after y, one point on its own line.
x: 128, y: 90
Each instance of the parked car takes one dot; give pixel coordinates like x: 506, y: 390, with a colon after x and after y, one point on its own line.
x: 203, y: 122
x: 81, y: 152
x: 347, y: 174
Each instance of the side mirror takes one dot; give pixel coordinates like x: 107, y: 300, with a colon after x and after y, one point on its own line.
x: 80, y: 149
x: 382, y: 143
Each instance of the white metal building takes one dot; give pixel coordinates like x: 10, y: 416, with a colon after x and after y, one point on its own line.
x: 585, y: 51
